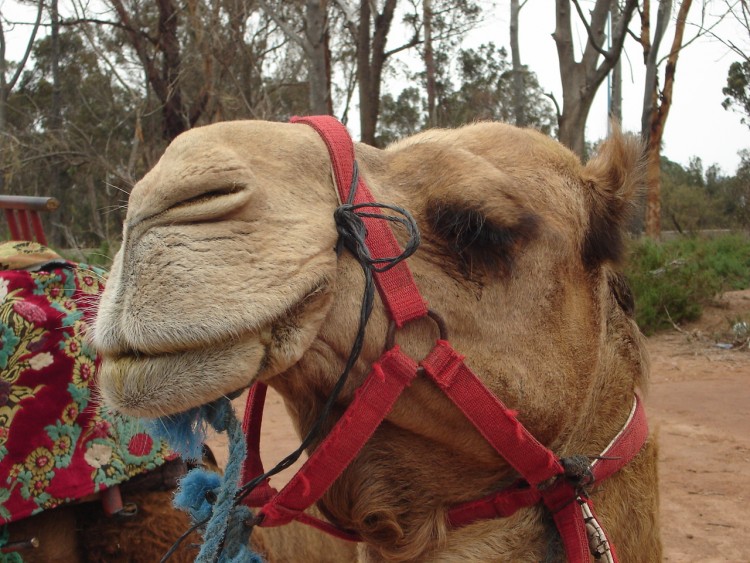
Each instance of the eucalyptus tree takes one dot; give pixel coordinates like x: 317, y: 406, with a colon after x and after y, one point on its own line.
x: 582, y: 76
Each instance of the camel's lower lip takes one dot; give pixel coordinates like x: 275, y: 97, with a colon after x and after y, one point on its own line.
x: 148, y: 385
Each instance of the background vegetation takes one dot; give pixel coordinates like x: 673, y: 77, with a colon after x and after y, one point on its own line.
x: 672, y: 281
x: 105, y: 86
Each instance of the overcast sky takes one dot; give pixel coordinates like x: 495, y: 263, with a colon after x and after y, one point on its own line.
x: 697, y: 126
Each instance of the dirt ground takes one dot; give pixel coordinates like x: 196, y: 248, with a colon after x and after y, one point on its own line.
x: 699, y: 403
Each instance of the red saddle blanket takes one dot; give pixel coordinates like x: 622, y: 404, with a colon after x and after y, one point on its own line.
x: 57, y: 443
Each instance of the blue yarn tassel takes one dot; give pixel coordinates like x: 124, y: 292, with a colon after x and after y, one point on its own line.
x: 186, y: 433
x: 192, y: 493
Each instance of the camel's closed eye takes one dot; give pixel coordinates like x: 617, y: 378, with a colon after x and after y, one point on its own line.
x: 477, y: 239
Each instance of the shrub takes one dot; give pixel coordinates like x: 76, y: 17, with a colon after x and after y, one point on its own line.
x: 677, y: 278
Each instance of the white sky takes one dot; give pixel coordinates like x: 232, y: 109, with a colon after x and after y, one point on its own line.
x: 697, y: 126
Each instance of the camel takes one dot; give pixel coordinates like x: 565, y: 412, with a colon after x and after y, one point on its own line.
x: 228, y: 275
x: 82, y: 533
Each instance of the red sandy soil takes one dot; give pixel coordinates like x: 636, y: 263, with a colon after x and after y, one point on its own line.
x: 699, y: 404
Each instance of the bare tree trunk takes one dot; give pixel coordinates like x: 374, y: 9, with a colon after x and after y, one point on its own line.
x: 175, y: 120
x: 615, y: 94
x: 429, y: 63
x: 650, y: 54
x: 56, y: 109
x: 581, y: 79
x: 164, y: 67
x: 657, y: 122
x: 371, y: 57
x: 518, y: 70
x: 56, y: 123
x: 315, y: 44
x: 318, y: 59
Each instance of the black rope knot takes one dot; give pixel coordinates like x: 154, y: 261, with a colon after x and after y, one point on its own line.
x: 349, y: 218
x: 578, y: 471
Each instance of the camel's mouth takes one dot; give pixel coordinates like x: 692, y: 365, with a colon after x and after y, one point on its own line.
x: 151, y: 384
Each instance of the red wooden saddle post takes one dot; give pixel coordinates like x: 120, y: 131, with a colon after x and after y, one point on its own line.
x: 22, y: 215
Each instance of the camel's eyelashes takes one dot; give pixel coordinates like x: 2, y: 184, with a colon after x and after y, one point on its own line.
x: 477, y: 239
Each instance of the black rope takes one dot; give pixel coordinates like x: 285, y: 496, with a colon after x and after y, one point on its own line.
x: 352, y: 233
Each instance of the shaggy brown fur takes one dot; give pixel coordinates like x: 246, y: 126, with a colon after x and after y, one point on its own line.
x: 82, y: 533
x: 227, y: 274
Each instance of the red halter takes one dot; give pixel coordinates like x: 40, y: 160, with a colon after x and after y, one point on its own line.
x: 543, y: 473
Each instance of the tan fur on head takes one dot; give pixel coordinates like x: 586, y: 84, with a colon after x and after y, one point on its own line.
x: 228, y: 274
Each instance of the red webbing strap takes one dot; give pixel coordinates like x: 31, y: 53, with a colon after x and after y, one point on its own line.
x: 372, y: 402
x: 625, y: 446
x: 396, y: 286
x: 561, y: 498
x: 327, y: 527
x: 253, y: 466
x: 570, y: 515
x: 490, y: 416
x: 562, y: 501
x: 496, y: 505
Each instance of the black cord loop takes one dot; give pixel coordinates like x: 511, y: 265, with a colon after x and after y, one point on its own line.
x: 352, y: 234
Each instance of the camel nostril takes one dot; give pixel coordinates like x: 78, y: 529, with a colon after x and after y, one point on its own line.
x: 208, y: 205
x: 209, y: 195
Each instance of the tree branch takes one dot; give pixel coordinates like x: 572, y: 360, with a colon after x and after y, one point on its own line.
x: 551, y: 96
x: 618, y: 38
x: 12, y: 82
x: 590, y: 33
x: 413, y: 43
x: 350, y: 16
x: 705, y: 31
x: 77, y: 21
x: 288, y: 31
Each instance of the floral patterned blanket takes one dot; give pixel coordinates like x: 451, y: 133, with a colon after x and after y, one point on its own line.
x: 57, y: 443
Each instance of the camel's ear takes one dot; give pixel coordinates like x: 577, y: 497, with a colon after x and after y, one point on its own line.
x: 484, y: 228
x: 614, y: 177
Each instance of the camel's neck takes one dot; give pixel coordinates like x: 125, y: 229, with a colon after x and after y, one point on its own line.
x: 427, y: 456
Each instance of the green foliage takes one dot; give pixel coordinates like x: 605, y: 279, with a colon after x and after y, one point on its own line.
x: 67, y: 151
x: 677, y: 278
x: 400, y: 117
x: 694, y: 199
x: 736, y: 90
x: 486, y: 91
x: 483, y: 92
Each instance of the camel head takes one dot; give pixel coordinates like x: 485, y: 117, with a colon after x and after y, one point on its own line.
x: 227, y: 270
x: 228, y: 274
